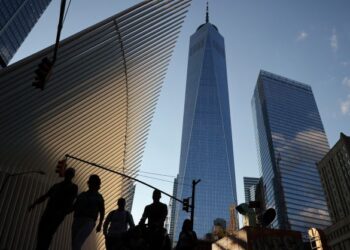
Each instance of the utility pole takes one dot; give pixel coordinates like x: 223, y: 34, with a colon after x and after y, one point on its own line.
x: 194, y: 183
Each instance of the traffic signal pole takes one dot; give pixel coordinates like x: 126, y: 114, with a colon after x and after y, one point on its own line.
x: 194, y: 183
x: 59, y: 29
x: 43, y: 72
x: 121, y: 174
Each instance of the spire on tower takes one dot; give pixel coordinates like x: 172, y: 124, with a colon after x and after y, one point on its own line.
x: 207, y: 14
x: 206, y: 19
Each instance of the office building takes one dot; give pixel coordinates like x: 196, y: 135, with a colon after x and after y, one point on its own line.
x: 206, y: 146
x: 334, y: 169
x: 17, y: 19
x: 97, y: 105
x: 290, y: 140
x: 172, y: 209
x: 249, y: 188
x: 260, y: 197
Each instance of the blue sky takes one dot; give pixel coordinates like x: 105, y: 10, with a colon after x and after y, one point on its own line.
x: 304, y: 40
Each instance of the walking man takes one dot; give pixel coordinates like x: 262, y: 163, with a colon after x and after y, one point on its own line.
x: 88, y: 206
x: 116, y: 224
x: 155, y: 213
x: 60, y: 203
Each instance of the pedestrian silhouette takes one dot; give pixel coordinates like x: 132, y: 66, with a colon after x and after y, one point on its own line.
x: 187, y: 238
x: 60, y: 203
x: 155, y: 213
x: 116, y: 224
x: 88, y: 206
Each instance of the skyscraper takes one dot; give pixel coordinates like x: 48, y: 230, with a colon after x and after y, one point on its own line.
x: 206, y: 146
x: 97, y: 105
x: 250, y: 187
x: 290, y: 140
x: 172, y: 208
x: 17, y: 18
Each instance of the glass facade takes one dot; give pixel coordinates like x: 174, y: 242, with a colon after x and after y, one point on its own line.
x: 290, y: 140
x: 17, y: 18
x: 249, y: 188
x: 206, y: 147
x: 172, y: 208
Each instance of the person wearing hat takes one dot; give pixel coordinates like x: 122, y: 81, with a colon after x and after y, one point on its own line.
x: 60, y: 203
x: 87, y: 208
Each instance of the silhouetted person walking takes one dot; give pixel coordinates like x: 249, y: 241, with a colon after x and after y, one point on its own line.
x: 88, y: 206
x: 155, y: 213
x: 116, y: 224
x: 187, y: 238
x: 60, y: 203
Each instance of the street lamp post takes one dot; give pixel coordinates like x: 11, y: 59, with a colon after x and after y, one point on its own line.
x: 17, y: 174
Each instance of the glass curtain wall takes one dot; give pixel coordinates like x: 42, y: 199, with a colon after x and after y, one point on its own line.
x: 17, y: 18
x: 290, y: 140
x: 206, y: 147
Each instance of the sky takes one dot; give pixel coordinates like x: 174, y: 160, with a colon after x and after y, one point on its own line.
x: 304, y: 40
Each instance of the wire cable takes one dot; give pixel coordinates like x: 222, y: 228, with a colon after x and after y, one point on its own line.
x: 165, y: 175
x: 154, y: 178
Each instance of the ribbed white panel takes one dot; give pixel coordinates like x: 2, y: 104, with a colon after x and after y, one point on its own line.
x: 97, y: 105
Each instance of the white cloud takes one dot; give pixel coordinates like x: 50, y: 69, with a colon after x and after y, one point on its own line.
x: 302, y: 36
x: 346, y: 81
x: 334, y: 40
x: 345, y: 64
x: 345, y: 106
x: 287, y: 144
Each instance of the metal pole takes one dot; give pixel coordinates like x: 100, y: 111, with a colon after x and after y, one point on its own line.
x: 124, y: 175
x: 59, y: 29
x: 194, y: 183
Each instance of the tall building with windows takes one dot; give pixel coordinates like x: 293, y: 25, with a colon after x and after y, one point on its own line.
x: 334, y: 169
x: 97, y: 105
x: 249, y: 188
x: 17, y: 19
x: 172, y: 209
x: 290, y: 140
x: 335, y: 175
x: 206, y: 146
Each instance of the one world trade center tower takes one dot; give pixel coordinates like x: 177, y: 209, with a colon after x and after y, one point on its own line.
x: 206, y: 146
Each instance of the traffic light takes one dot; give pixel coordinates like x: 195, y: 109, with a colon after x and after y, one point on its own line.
x: 186, y: 204
x: 42, y: 73
x: 61, y: 167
